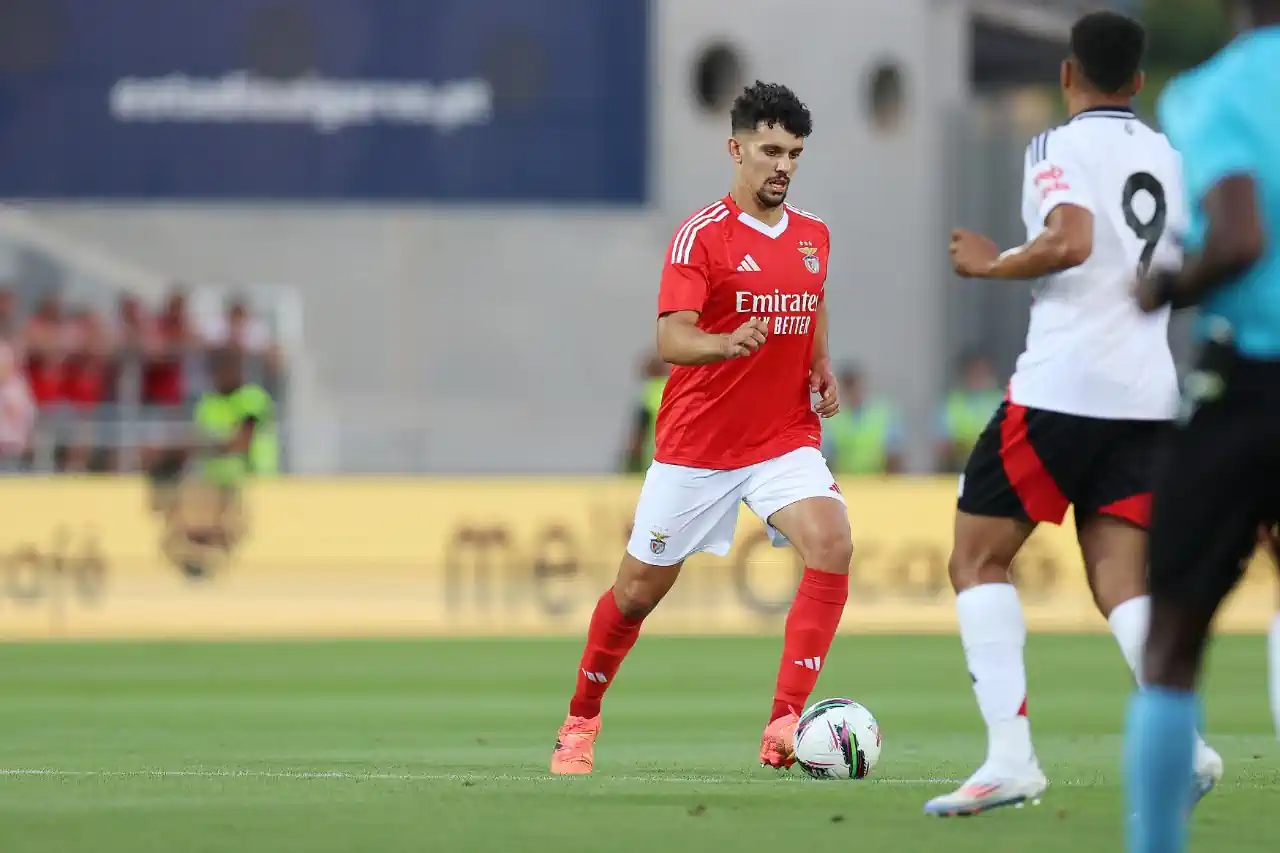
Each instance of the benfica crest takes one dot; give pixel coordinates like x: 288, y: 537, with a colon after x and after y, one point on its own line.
x: 811, y: 262
x: 658, y: 543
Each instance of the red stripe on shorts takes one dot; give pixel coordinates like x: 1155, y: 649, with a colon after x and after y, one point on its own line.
x: 1040, y: 496
x: 1135, y: 509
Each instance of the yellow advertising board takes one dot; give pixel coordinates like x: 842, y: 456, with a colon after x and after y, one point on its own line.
x: 387, y: 557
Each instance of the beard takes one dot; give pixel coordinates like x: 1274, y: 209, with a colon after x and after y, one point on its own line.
x: 770, y: 197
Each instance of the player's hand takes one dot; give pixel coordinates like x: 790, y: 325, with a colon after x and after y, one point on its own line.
x: 822, y: 381
x: 972, y: 255
x: 746, y: 339
x: 1153, y: 291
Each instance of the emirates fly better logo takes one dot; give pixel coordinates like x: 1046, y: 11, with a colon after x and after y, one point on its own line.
x: 786, y: 313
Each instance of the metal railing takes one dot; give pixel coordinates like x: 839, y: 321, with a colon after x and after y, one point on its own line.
x: 118, y: 434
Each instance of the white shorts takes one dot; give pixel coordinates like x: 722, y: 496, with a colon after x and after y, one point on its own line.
x: 683, y: 511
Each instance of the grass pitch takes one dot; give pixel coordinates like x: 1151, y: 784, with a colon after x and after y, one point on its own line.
x: 443, y: 746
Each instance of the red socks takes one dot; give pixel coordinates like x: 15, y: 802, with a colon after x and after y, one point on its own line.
x: 609, y: 638
x: 811, y: 626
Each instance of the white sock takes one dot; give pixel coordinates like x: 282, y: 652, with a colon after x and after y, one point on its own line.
x: 1273, y: 660
x: 1129, y: 623
x: 994, y: 634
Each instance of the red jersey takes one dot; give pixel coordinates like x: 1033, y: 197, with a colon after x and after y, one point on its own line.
x: 83, y: 384
x: 729, y: 267
x: 44, y: 377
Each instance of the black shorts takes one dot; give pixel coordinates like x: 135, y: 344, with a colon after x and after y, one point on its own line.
x: 1217, y: 482
x: 1032, y: 464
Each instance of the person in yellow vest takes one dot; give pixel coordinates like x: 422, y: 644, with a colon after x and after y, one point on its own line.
x: 235, y: 439
x: 866, y: 436
x: 967, y: 411
x: 639, y: 451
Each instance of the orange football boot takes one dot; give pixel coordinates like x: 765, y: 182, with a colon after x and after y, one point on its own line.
x: 777, y: 747
x: 575, y: 746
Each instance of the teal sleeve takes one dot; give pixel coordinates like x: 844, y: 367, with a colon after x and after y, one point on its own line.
x: 1212, y: 132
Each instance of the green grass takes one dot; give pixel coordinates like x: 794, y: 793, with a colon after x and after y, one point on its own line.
x: 442, y: 746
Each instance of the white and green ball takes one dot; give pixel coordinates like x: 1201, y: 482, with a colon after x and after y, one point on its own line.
x: 837, y: 739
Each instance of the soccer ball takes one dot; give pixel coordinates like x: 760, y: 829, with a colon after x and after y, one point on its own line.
x: 837, y: 739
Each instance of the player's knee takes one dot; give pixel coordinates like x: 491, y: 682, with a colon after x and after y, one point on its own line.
x: 1110, y: 593
x: 830, y: 551
x: 639, y: 587
x: 973, y: 564
x: 635, y: 598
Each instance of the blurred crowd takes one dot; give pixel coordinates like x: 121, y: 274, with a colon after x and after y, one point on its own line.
x: 84, y: 389
x: 868, y: 436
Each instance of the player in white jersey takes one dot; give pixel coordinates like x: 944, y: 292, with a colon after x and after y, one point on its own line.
x: 1089, y: 399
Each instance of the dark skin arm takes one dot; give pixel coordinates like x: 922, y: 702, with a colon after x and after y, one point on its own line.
x: 1235, y: 241
x: 1066, y: 242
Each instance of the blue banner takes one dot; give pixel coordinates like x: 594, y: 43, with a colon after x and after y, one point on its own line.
x: 475, y: 100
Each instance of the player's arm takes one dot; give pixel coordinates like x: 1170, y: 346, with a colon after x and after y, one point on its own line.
x: 680, y: 341
x: 1066, y: 242
x: 821, y: 380
x: 821, y: 349
x: 685, y: 287
x: 1216, y: 146
x: 1054, y: 185
x: 1234, y: 242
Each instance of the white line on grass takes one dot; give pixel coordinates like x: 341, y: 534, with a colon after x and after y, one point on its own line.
x: 411, y: 777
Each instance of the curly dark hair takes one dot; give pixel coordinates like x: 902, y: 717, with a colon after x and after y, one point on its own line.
x: 1109, y: 49
x: 772, y: 104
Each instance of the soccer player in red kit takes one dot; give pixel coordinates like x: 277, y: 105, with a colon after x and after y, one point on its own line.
x: 743, y: 321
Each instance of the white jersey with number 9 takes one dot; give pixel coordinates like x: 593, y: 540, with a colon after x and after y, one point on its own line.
x: 1089, y: 351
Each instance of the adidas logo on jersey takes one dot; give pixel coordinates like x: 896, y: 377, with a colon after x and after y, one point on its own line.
x: 748, y: 265
x: 814, y: 664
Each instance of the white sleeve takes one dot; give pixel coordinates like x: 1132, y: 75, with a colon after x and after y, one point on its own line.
x: 1055, y: 176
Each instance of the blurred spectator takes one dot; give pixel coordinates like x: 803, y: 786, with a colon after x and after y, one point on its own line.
x: 164, y: 370
x: 45, y: 341
x: 639, y: 453
x: 136, y: 342
x: 86, y: 377
x: 968, y: 408
x: 170, y: 342
x: 84, y: 390
x: 17, y: 412
x: 249, y: 335
x: 866, y: 436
